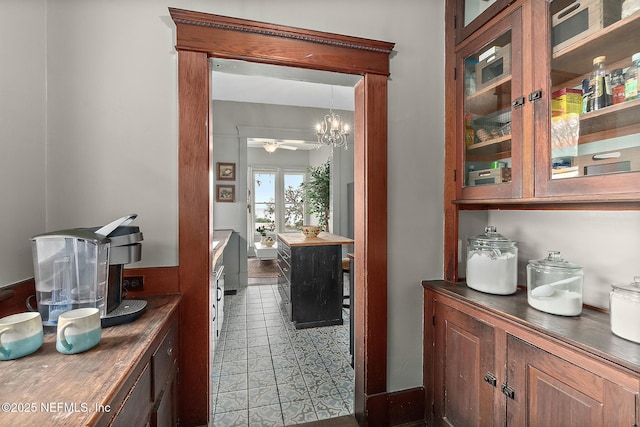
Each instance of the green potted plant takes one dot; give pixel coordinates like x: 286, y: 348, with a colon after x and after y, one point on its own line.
x: 316, y: 193
x: 265, y: 239
x: 262, y: 230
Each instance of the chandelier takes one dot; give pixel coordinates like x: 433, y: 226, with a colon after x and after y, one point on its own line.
x: 332, y: 131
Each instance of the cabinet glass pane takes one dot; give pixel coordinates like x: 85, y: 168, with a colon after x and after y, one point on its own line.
x: 473, y: 9
x: 487, y: 113
x: 595, y: 126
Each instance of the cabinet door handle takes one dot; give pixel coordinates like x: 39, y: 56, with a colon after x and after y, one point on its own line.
x: 508, y: 391
x: 568, y: 10
x: 518, y: 102
x: 534, y: 96
x: 491, y: 379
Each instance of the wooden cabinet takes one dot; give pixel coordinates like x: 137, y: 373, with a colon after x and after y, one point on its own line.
x: 128, y: 379
x: 593, y: 154
x: 311, y: 282
x: 152, y: 400
x: 522, y: 131
x: 491, y: 160
x: 492, y: 360
x: 464, y: 348
x: 472, y: 14
x: 517, y: 140
x: 544, y: 389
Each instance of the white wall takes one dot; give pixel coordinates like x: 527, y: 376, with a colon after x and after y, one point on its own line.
x: 604, y: 243
x: 112, y: 129
x: 22, y: 135
x: 112, y: 90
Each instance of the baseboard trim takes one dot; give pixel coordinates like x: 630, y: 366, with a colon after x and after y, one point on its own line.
x: 406, y: 407
x: 398, y: 408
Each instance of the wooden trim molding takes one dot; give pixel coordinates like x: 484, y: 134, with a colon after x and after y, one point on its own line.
x: 202, y: 36
x: 13, y: 298
x: 157, y: 281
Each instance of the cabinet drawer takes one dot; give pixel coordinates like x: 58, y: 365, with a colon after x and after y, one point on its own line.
x: 285, y: 269
x: 284, y: 249
x: 135, y: 410
x: 164, y: 413
x: 164, y: 359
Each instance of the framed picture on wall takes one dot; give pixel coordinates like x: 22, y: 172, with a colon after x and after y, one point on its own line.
x: 226, y: 171
x: 225, y: 193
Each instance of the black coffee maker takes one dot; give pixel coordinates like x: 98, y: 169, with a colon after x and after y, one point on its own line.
x: 125, y: 248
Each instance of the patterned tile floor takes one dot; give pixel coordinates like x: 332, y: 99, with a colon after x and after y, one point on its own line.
x: 267, y: 373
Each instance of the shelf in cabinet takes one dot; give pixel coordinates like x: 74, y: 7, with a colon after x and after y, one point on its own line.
x: 490, y: 99
x: 618, y: 41
x: 613, y: 119
x: 500, y: 147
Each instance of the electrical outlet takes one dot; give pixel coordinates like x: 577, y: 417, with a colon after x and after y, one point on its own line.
x: 133, y: 283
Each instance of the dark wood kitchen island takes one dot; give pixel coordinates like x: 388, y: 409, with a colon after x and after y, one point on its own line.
x: 310, y: 278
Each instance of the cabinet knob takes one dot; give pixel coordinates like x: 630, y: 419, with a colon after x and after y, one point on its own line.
x: 508, y: 391
x: 491, y: 379
x: 518, y: 102
x: 170, y: 351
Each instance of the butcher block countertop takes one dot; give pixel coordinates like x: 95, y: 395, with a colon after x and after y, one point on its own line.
x: 222, y: 237
x: 298, y: 239
x: 48, y: 388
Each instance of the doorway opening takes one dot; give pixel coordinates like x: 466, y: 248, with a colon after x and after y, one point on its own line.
x: 200, y: 36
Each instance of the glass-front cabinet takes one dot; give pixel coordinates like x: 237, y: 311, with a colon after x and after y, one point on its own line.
x: 490, y: 164
x: 472, y: 14
x: 547, y: 104
x: 588, y: 130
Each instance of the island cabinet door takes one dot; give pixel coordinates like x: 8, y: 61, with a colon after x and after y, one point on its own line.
x: 465, y: 379
x: 546, y: 390
x: 316, y: 285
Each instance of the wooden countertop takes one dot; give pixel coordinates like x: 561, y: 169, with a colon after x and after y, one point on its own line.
x: 38, y: 386
x: 298, y: 239
x: 221, y: 236
x: 591, y: 331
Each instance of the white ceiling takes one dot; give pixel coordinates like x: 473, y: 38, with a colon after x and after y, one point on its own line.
x: 243, y: 81
x: 272, y: 84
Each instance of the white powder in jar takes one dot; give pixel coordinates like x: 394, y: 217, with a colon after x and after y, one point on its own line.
x: 625, y: 316
x: 491, y: 273
x: 562, y: 302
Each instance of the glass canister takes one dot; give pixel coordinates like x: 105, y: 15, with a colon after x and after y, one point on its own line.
x: 554, y: 285
x: 492, y: 263
x: 624, y: 310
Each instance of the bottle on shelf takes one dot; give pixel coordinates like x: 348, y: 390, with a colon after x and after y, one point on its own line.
x: 617, y: 86
x: 631, y: 79
x: 600, y: 85
x: 586, y: 95
x: 469, y: 134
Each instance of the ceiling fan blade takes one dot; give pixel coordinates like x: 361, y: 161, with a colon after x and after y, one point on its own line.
x: 288, y: 147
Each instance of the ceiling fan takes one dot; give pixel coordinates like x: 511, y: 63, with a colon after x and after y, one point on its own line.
x: 272, y: 146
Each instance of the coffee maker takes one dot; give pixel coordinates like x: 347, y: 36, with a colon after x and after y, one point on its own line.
x: 82, y: 267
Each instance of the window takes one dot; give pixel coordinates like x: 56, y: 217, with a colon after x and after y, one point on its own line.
x: 277, y: 199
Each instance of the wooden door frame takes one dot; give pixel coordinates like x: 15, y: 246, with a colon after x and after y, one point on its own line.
x: 202, y: 36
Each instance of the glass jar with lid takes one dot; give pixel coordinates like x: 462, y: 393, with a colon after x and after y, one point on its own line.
x: 554, y: 285
x: 624, y: 310
x: 492, y: 263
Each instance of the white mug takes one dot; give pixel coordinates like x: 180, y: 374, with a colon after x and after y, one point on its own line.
x: 78, y: 330
x: 20, y: 335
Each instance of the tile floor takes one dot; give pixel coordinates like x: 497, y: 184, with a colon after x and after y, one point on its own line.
x: 267, y: 373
